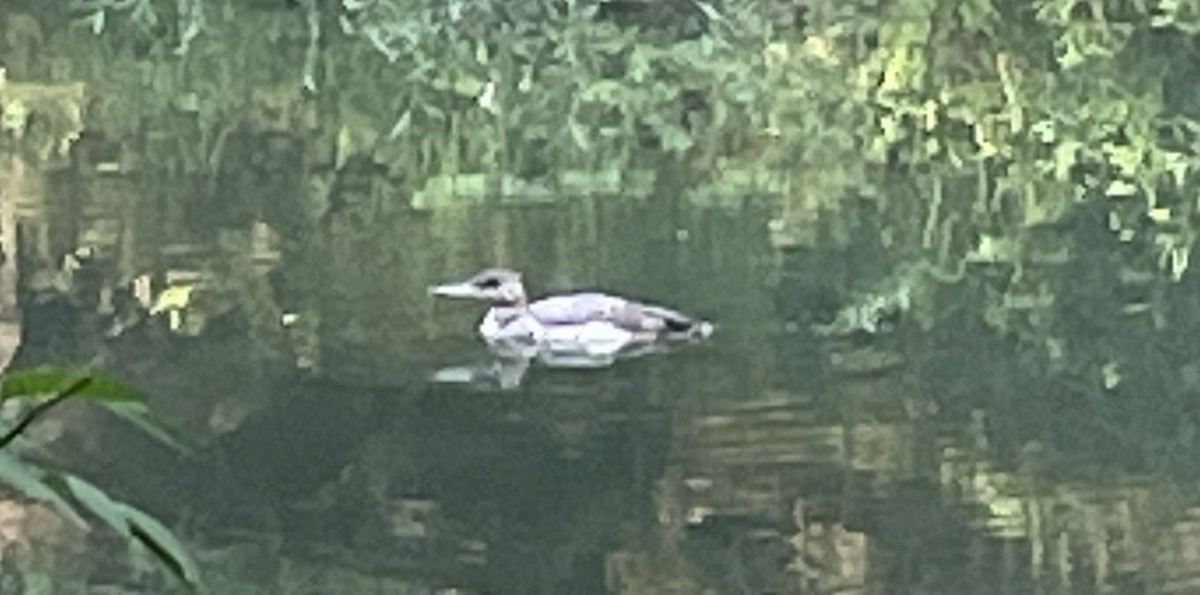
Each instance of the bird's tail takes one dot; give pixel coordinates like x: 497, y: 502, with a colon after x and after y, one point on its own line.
x: 678, y: 325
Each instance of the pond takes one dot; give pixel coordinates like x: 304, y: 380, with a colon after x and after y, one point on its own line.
x: 785, y: 454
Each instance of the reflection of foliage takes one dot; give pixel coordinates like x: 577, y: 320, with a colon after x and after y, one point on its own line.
x: 834, y: 104
x: 989, y: 123
x: 1051, y: 102
x: 44, y: 119
x: 71, y: 495
x: 145, y: 16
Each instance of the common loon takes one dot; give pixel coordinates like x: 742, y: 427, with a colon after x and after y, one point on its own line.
x: 587, y: 324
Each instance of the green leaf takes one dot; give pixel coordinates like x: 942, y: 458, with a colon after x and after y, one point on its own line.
x: 468, y: 85
x: 1127, y: 158
x: 673, y: 137
x: 29, y: 481
x: 709, y: 12
x: 46, y: 381
x: 605, y: 91
x: 134, y: 524
x: 1179, y: 166
x: 163, y: 543
x: 639, y: 69
x: 580, y: 135
x: 402, y: 125
x: 139, y: 415
x: 95, y: 501
x: 481, y: 52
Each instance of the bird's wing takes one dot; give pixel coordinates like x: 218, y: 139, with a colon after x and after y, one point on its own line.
x: 591, y: 307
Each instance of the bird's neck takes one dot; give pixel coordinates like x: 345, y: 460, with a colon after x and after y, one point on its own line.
x: 515, y: 299
x: 506, y: 311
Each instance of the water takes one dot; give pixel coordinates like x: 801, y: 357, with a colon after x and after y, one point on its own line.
x: 770, y: 459
x: 942, y: 246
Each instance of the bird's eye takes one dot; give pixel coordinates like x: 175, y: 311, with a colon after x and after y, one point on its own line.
x: 489, y: 283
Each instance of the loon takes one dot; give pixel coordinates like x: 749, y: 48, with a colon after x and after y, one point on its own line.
x: 587, y: 324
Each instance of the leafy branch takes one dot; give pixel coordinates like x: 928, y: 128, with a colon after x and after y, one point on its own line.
x: 41, y: 408
x: 69, y: 494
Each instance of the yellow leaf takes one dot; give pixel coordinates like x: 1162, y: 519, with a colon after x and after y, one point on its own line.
x: 173, y: 298
x: 1121, y: 188
x: 1128, y: 159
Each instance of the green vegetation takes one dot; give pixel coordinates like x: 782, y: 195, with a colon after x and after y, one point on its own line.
x: 1028, y: 168
x: 1021, y: 138
x: 1006, y: 115
x: 72, y: 496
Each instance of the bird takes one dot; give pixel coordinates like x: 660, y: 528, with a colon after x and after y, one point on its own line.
x: 588, y: 324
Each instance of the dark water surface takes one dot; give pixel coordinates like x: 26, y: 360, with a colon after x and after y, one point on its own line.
x: 771, y: 459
